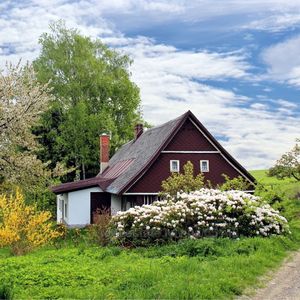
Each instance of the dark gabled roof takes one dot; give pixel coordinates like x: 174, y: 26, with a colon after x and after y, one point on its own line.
x: 224, y: 152
x: 133, y: 159
x: 127, y: 162
x: 116, y: 169
x: 141, y: 152
x: 148, y: 153
x: 101, y: 182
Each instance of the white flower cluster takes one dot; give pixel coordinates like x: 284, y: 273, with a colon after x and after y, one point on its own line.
x: 206, y: 212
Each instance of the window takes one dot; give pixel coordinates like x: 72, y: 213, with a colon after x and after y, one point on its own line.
x: 124, y: 203
x: 61, y: 203
x: 204, y: 166
x: 65, y: 209
x: 127, y: 202
x: 149, y: 199
x: 174, y: 165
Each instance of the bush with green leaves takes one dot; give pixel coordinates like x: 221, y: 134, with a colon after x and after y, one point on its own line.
x: 198, y: 214
x: 183, y: 182
x: 237, y: 183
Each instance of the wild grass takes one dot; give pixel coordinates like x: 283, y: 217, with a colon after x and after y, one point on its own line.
x: 203, y: 269
x: 289, y: 186
x: 210, y: 268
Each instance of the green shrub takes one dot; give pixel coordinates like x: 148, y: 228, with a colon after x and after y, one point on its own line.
x: 182, y: 182
x: 99, y: 232
x: 6, y: 291
x: 237, y: 183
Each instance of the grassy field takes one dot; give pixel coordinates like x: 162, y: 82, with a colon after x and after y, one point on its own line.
x: 261, y: 176
x: 203, y: 269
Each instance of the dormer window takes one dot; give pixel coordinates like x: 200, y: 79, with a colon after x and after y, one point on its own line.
x: 174, y: 165
x: 204, y: 166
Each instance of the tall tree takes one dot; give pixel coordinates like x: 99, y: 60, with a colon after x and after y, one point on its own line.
x: 79, y: 136
x: 22, y: 101
x: 288, y: 166
x: 92, y: 84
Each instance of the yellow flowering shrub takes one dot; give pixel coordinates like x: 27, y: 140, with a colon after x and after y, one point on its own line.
x: 22, y: 226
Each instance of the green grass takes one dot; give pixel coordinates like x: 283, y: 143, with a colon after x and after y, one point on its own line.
x: 288, y: 186
x: 202, y: 269
x: 261, y: 176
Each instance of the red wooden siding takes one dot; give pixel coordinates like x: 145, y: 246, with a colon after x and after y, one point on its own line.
x: 189, y: 138
x: 160, y: 170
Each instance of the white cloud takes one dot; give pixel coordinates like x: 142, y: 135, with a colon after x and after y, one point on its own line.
x: 256, y: 134
x: 259, y: 106
x: 267, y: 15
x: 287, y: 104
x: 165, y: 59
x: 22, y: 23
x: 283, y: 61
x: 276, y: 23
x: 171, y: 80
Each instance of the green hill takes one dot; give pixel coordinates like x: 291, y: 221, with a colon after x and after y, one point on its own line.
x: 289, y: 185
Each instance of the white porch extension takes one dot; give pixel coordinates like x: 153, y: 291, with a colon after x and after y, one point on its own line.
x: 74, y: 208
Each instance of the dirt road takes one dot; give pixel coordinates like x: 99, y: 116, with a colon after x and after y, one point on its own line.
x: 285, y: 283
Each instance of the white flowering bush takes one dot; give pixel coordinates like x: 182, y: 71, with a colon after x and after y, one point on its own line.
x: 206, y: 212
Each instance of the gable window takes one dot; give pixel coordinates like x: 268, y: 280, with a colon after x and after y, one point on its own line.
x: 204, y: 166
x: 174, y: 165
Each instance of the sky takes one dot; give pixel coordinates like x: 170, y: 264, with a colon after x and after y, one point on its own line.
x: 234, y: 63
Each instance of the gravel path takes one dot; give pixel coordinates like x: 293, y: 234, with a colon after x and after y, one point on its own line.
x: 285, y: 283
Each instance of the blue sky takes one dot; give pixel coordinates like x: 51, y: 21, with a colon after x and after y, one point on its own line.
x: 234, y: 63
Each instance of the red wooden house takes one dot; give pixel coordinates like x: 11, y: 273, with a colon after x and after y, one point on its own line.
x: 134, y: 174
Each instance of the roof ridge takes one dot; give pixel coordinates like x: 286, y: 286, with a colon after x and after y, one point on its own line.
x: 158, y: 126
x: 179, y: 121
x: 170, y: 121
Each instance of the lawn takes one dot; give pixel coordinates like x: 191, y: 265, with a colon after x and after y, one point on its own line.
x: 289, y: 185
x: 196, y: 269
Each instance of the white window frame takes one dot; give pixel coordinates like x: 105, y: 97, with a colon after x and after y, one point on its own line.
x: 149, y: 199
x: 178, y: 164
x: 60, y: 203
x: 65, y: 209
x: 201, y: 169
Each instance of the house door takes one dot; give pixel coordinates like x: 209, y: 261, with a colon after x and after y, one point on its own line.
x: 99, y: 202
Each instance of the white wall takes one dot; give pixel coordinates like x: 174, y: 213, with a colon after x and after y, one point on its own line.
x: 79, y: 206
x: 116, y: 202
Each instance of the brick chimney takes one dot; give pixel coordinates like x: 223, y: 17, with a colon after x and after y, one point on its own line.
x: 104, y: 152
x: 138, y: 130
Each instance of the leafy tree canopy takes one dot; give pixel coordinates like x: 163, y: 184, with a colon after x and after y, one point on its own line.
x: 288, y: 166
x: 94, y: 94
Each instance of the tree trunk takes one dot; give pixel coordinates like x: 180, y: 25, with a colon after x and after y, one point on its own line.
x: 77, y: 172
x: 83, y: 170
x: 296, y: 177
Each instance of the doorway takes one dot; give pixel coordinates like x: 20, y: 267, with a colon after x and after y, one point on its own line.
x: 100, y: 202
